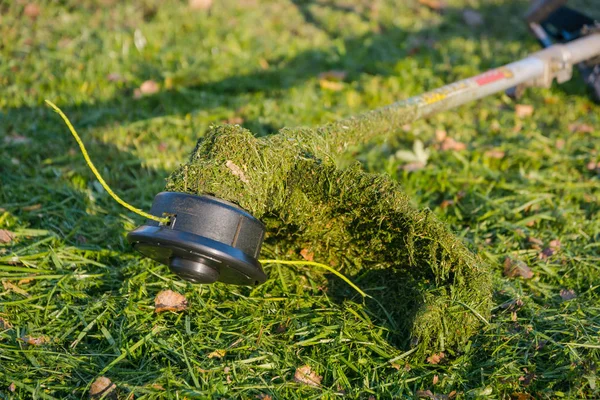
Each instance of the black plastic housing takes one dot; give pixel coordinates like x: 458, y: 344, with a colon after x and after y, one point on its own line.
x: 206, y: 240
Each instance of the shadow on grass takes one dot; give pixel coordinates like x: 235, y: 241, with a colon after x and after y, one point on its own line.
x: 375, y: 53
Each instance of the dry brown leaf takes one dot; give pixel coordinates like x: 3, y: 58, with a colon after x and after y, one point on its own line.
x: 580, y: 128
x: 521, y: 396
x: 472, y: 17
x: 435, y: 5
x: 307, y: 376
x: 514, y: 268
x: 436, y: 358
x: 4, y: 324
x: 546, y: 253
x: 527, y: 378
x: 200, y: 4
x: 31, y: 11
x: 33, y: 207
x: 237, y: 171
x: 102, y: 388
x: 523, y: 110
x: 264, y: 64
x: 413, y: 166
x: 495, y: 153
x: 147, y: 88
x: 14, y: 288
x: 535, y: 242
x: 35, y: 341
x: 593, y: 166
x: 333, y: 75
x: 560, y: 144
x: 12, y: 387
x: 554, y: 244
x: 452, y: 145
x: 6, y: 236
x: 440, y: 135
x: 567, y: 294
x: 115, y: 77
x: 168, y: 300
x: 331, y: 85
x: 217, y: 354
x: 436, y: 379
x: 235, y: 120
x: 307, y: 255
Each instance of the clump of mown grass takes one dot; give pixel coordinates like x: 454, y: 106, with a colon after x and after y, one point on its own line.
x: 348, y: 218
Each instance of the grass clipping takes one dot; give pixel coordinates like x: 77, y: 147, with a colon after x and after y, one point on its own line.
x: 356, y: 221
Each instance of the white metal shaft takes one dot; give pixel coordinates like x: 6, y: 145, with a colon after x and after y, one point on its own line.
x: 539, y: 69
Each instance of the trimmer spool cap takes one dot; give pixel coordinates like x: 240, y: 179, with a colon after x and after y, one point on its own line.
x: 206, y: 240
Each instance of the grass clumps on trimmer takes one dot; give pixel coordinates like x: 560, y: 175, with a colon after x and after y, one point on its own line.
x: 349, y: 219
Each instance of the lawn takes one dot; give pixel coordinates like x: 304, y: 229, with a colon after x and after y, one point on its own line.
x: 143, y: 81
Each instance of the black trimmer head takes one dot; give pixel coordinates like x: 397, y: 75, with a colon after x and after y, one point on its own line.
x: 207, y: 239
x: 553, y: 22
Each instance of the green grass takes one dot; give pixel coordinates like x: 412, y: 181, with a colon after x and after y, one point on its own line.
x: 92, y: 297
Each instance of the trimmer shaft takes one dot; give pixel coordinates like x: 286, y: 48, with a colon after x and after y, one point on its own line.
x: 206, y: 240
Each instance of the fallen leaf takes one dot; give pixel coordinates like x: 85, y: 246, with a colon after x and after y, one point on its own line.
x: 560, y: 144
x: 115, y: 77
x: 307, y: 255
x: 546, y: 253
x: 162, y: 147
x: 34, y: 341
x: 200, y: 4
x: 435, y: 379
x: 521, y: 396
x: 32, y: 11
x: 264, y: 396
x: 436, y: 358
x: 472, y: 17
x: 514, y: 268
x: 217, y: 354
x: 306, y: 376
x: 333, y: 75
x: 12, y: 387
x: 495, y: 153
x: 592, y: 166
x: 6, y: 236
x: 235, y: 120
x: 428, y: 394
x: 147, y: 88
x: 264, y: 64
x: 440, y: 135
x: 413, y: 166
x: 580, y: 128
x: 523, y: 110
x: 14, y: 288
x: 554, y: 244
x: 527, y: 378
x: 567, y: 294
x: 237, y: 171
x: 4, y: 324
x: 33, y: 207
x: 535, y: 242
x: 102, y: 388
x: 446, y: 203
x: 435, y: 5
x: 168, y: 300
x: 452, y: 145
x: 334, y: 86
